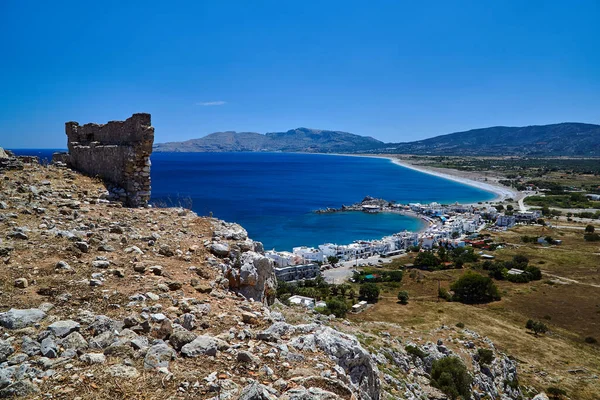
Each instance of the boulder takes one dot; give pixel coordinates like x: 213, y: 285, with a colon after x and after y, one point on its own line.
x: 19, y: 319
x: 245, y: 357
x: 6, y: 350
x: 256, y: 391
x: 74, y: 341
x: 204, y: 345
x: 63, y: 328
x: 20, y: 388
x: 122, y: 371
x: 230, y: 231
x: 49, y: 347
x: 219, y: 249
x: 180, y: 338
x: 159, y: 356
x: 356, y: 361
x: 255, y: 279
x: 93, y: 358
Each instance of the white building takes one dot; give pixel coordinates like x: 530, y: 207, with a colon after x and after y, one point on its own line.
x: 302, y: 301
x: 308, y: 254
x: 283, y: 258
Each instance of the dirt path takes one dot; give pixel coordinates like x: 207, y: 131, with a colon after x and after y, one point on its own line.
x: 562, y: 278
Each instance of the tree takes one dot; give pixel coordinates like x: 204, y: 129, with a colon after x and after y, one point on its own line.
x: 334, y: 290
x: 455, y: 235
x: 590, y: 229
x: 369, y: 292
x: 351, y: 294
x: 403, y: 297
x: 472, y: 288
x: 442, y: 254
x: 450, y: 375
x: 395, y: 276
x: 520, y: 259
x: 426, y: 259
x: 333, y: 260
x: 536, y: 326
x: 510, y: 207
x: 343, y: 289
x: 337, y: 307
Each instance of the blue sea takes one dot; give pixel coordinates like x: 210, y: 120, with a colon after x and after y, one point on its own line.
x: 273, y: 195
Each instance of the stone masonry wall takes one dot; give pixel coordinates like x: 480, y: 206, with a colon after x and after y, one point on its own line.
x: 118, y: 152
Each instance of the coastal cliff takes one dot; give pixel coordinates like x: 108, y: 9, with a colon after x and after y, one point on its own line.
x: 100, y: 301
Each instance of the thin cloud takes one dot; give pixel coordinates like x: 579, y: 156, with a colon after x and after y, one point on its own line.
x: 211, y: 103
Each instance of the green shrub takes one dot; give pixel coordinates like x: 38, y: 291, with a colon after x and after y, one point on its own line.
x: 403, y: 297
x: 415, y: 351
x: 592, y: 237
x: 443, y: 294
x: 427, y: 260
x: 555, y: 393
x: 486, y: 356
x: 369, y: 292
x: 337, y: 307
x: 591, y: 340
x: 536, y: 326
x: 460, y: 325
x: 472, y: 288
x: 450, y: 375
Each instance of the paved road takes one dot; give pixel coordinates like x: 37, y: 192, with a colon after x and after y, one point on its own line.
x: 344, y: 272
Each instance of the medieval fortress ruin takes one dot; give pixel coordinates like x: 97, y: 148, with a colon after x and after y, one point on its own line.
x: 118, y: 152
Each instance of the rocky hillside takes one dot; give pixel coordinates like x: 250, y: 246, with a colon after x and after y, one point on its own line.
x: 100, y: 301
x: 295, y: 140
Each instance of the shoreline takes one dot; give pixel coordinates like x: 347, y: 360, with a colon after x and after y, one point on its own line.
x: 470, y: 179
x: 502, y: 192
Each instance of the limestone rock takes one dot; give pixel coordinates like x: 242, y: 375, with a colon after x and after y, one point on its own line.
x: 19, y: 319
x: 6, y: 349
x: 180, y: 338
x: 63, y: 328
x: 255, y: 279
x: 256, y: 391
x: 93, y: 358
x: 122, y: 371
x: 20, y: 388
x: 159, y: 356
x: 204, y: 345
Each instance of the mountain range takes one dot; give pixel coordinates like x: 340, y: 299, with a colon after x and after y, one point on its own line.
x: 564, y: 139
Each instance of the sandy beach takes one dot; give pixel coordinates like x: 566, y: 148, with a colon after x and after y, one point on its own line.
x: 479, y: 181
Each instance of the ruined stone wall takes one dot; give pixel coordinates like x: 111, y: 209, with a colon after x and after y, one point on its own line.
x: 118, y: 152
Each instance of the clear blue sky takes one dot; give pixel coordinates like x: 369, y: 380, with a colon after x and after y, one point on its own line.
x: 394, y: 70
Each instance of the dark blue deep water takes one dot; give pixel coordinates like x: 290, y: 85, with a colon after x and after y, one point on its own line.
x: 273, y: 194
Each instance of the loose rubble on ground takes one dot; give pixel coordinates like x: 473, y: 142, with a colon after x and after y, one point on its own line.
x: 102, y: 301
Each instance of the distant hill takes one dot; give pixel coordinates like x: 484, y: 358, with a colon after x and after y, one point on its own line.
x: 295, y: 140
x: 565, y: 139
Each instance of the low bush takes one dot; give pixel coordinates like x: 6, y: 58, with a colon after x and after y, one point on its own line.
x: 460, y: 325
x: 337, y: 307
x: 403, y: 297
x: 450, y: 375
x: 536, y: 326
x: 591, y: 340
x: 486, y: 356
x: 415, y: 351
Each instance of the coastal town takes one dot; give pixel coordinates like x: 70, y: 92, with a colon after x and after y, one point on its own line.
x: 448, y: 226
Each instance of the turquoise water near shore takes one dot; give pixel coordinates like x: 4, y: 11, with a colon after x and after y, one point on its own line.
x: 273, y: 195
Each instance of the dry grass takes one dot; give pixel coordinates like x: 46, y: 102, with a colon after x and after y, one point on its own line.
x: 572, y: 312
